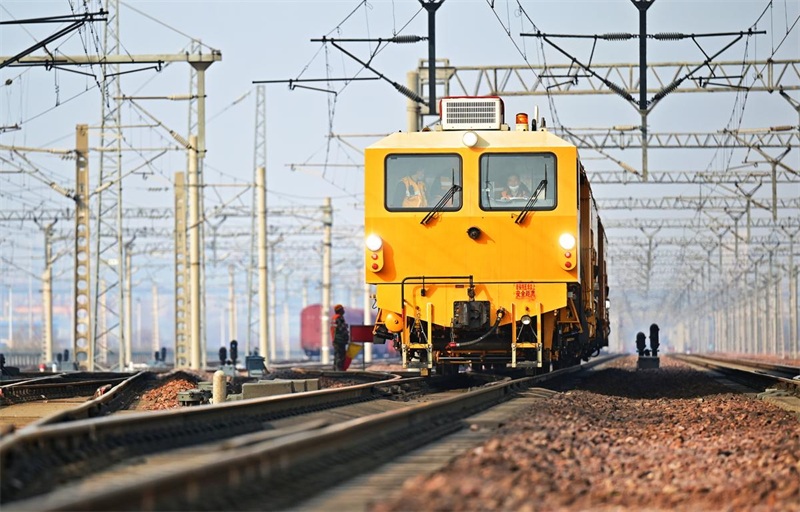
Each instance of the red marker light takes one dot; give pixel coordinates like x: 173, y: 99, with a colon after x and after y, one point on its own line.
x: 374, y: 266
x: 568, y: 264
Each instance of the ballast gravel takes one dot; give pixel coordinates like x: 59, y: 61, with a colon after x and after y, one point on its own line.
x: 665, y: 439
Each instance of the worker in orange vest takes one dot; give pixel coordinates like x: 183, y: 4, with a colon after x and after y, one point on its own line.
x: 341, y: 336
x: 411, y: 192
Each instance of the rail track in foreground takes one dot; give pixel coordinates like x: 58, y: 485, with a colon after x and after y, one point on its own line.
x: 280, y: 469
x: 754, y: 374
x: 62, y: 385
x: 39, y: 458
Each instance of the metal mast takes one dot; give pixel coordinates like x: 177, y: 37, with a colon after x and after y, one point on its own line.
x: 109, y: 256
x: 642, y: 6
x: 259, y: 162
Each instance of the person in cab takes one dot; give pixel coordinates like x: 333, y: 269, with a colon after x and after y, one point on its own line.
x: 411, y: 191
x: 514, y: 189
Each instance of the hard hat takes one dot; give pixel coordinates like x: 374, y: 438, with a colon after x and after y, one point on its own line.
x: 393, y: 322
x: 338, y: 308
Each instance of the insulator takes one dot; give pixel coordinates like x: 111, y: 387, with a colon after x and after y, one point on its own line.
x: 668, y: 89
x: 408, y: 93
x: 669, y: 36
x: 407, y: 39
x: 618, y: 36
x: 617, y: 89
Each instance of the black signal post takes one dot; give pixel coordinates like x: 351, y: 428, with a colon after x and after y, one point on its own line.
x: 431, y: 6
x: 643, y: 5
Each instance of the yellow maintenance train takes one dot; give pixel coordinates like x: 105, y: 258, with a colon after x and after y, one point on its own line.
x: 484, y: 244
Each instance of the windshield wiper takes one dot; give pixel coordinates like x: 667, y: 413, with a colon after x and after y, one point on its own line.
x: 523, y: 214
x: 441, y: 204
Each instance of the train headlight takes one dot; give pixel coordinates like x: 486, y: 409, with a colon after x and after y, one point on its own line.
x: 526, y: 320
x: 470, y: 139
x: 374, y: 242
x: 566, y: 241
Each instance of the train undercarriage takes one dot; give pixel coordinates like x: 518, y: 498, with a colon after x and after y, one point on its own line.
x: 569, y: 335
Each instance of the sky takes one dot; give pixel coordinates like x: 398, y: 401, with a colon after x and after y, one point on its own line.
x: 271, y: 40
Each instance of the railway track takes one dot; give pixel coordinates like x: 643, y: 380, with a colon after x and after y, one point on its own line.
x: 756, y: 374
x: 37, y: 459
x: 272, y: 469
x: 63, y: 385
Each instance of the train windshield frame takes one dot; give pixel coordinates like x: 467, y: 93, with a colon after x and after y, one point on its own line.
x: 507, y: 181
x: 440, y: 171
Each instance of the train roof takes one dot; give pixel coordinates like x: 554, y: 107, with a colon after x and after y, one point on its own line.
x: 506, y: 139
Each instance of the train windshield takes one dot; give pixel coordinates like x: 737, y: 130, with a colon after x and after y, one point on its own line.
x: 419, y: 182
x: 509, y: 180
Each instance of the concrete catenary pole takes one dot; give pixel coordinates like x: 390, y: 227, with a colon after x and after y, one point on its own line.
x: 285, y: 341
x: 10, y: 340
x: 138, y: 328
x: 30, y: 305
x: 101, y: 342
x: 768, y: 342
x: 793, y: 327
x: 324, y: 314
x: 261, y: 199
x: 82, y: 342
x: 47, y: 294
x: 412, y: 108
x: 127, y: 294
x: 793, y: 278
x: 232, y: 304
x: 156, y: 344
x: 195, y: 299
x: 271, y: 292
x: 183, y: 344
x: 755, y: 315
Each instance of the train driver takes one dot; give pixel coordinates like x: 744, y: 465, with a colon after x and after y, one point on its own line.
x: 514, y: 189
x: 410, y: 191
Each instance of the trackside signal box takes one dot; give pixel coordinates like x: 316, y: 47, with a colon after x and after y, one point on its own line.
x: 255, y: 366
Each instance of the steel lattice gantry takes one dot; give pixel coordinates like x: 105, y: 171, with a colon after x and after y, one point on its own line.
x: 569, y: 79
x: 692, y: 203
x: 606, y: 177
x: 630, y: 138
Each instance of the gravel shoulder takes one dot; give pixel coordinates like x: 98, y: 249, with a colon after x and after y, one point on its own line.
x: 667, y: 439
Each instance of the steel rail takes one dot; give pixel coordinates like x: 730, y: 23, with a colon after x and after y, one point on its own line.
x: 34, y: 461
x: 110, y: 401
x: 785, y: 370
x: 59, y: 386
x: 747, y: 372
x: 282, y: 472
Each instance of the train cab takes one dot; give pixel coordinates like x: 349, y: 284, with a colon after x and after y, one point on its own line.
x: 482, y: 241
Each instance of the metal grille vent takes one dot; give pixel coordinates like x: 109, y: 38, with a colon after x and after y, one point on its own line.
x: 472, y: 113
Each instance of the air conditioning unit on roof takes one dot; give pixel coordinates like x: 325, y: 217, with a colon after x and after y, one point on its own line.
x: 476, y: 113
